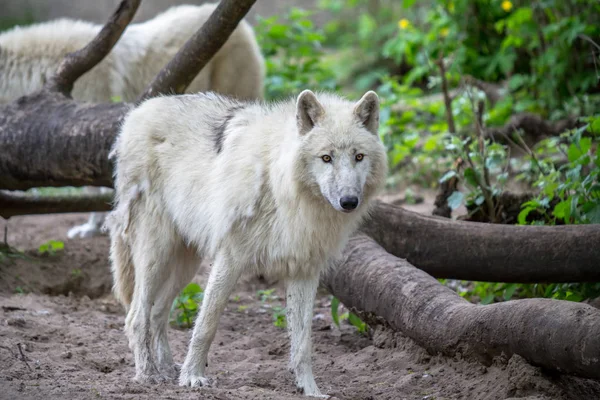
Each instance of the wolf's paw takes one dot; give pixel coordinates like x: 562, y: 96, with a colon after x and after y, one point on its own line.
x: 84, y: 231
x: 193, y: 378
x: 315, y: 394
x: 153, y: 379
x: 170, y: 370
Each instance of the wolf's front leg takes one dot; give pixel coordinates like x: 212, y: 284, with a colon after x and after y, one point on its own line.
x: 300, y: 299
x: 221, y: 281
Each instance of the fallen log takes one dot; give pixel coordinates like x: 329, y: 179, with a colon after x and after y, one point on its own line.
x: 557, y: 335
x: 19, y: 203
x: 487, y: 252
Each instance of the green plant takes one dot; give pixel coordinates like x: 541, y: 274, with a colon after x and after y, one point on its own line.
x: 51, y: 247
x: 294, y: 55
x: 569, y: 193
x: 352, y: 318
x: 266, y: 295
x: 186, y: 306
x: 279, y: 319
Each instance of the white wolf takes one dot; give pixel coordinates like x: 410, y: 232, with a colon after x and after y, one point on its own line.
x: 30, y: 55
x: 275, y: 189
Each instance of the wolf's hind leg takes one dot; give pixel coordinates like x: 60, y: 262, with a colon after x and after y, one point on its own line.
x: 221, y: 282
x: 185, y: 266
x: 152, y: 251
x: 300, y: 299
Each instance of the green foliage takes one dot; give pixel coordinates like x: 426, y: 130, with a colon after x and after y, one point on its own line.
x: 279, y: 319
x: 186, y: 306
x: 294, y: 55
x: 353, y: 319
x: 51, y: 247
x: 570, y: 193
x: 489, y: 292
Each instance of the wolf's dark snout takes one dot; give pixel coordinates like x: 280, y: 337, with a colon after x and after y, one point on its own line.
x: 349, y: 202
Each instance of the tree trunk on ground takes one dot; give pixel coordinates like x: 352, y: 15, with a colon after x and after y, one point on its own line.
x: 557, y: 335
x: 20, y: 203
x: 488, y: 252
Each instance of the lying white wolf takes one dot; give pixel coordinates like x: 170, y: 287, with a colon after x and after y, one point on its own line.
x: 275, y: 189
x: 29, y: 56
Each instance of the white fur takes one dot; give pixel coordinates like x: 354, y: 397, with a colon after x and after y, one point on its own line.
x: 30, y: 55
x: 263, y: 201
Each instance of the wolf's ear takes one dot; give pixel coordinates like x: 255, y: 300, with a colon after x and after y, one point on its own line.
x: 308, y: 111
x: 367, y: 111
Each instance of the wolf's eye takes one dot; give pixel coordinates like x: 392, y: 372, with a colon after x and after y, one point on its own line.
x: 359, y: 157
x: 326, y: 158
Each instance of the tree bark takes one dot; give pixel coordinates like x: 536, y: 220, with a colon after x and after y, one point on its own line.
x: 487, y: 252
x: 12, y: 203
x: 557, y: 335
x: 48, y: 139
x: 199, y: 49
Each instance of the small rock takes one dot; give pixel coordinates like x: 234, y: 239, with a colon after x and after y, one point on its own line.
x: 319, y: 317
x: 66, y: 355
x: 18, y: 321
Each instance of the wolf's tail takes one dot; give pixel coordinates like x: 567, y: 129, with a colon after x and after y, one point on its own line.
x: 122, y: 270
x: 122, y: 267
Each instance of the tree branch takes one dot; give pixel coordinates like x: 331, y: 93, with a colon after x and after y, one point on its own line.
x: 177, y: 75
x: 48, y: 139
x: 557, y: 335
x: 487, y: 252
x: 12, y: 203
x: 75, y: 64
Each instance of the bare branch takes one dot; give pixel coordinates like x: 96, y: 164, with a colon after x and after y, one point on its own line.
x: 487, y: 252
x: 75, y: 64
x: 447, y: 98
x: 177, y: 75
x: 15, y: 203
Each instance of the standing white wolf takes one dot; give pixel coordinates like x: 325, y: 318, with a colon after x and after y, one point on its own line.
x: 30, y: 55
x: 275, y: 189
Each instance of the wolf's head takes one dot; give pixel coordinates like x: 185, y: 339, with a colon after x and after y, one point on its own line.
x: 343, y: 159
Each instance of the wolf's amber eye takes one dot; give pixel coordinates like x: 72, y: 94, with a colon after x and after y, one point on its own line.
x: 359, y: 157
x: 326, y: 158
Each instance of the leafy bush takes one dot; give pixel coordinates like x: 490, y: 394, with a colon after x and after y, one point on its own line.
x: 294, y: 55
x: 569, y: 193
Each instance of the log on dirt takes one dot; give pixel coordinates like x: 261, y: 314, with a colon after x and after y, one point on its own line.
x: 557, y: 335
x: 487, y: 252
x: 19, y: 203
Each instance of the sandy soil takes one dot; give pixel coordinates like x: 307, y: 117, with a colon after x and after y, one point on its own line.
x: 62, y: 339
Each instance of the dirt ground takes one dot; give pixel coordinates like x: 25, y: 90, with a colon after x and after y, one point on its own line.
x: 61, y: 338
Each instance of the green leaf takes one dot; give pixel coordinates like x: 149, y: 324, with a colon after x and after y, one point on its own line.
x: 509, y: 291
x: 562, y: 210
x: 455, y: 200
x: 447, y: 176
x: 522, y: 218
x: 488, y: 299
x: 595, y: 125
x: 357, y: 322
x: 585, y: 144
x: 593, y: 215
x: 192, y: 289
x: 335, y: 304
x: 469, y: 175
x: 574, y: 152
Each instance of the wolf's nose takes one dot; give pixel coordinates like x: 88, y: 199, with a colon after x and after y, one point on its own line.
x: 349, y: 202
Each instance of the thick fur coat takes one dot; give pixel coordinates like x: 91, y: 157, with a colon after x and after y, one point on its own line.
x: 276, y: 189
